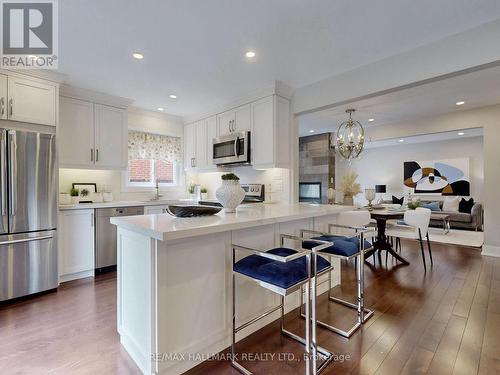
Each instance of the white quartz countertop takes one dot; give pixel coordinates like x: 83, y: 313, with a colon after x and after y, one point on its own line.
x: 166, y: 227
x: 80, y: 206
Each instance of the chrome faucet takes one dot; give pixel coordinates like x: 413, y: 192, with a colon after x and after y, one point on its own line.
x: 157, y: 195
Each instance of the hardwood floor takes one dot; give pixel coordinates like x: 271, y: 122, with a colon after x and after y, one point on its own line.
x: 444, y: 322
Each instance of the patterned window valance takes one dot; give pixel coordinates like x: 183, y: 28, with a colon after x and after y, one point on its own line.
x: 153, y: 146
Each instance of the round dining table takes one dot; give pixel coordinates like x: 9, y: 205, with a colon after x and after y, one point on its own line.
x: 382, y: 241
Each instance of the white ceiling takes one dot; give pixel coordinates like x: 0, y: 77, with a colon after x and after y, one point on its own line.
x: 477, y: 89
x: 195, y: 48
x: 426, y: 138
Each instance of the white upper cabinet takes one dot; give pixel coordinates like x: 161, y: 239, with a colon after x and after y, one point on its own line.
x: 189, y: 146
x: 3, y: 97
x: 242, y: 118
x: 201, y: 137
x: 234, y: 120
x: 101, y: 132
x: 111, y: 137
x: 198, y: 139
x: 270, y: 137
x: 225, y: 123
x: 211, y: 134
x: 262, y: 136
x: 77, y: 123
x: 28, y: 100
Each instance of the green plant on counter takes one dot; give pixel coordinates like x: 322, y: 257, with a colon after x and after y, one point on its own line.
x: 413, y: 205
x: 191, y: 189
x: 74, y: 192
x: 230, y: 176
x: 203, y: 190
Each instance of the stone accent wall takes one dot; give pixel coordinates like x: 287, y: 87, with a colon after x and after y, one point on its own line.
x: 317, y: 162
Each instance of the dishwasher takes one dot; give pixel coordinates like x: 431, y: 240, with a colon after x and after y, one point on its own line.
x: 105, y: 237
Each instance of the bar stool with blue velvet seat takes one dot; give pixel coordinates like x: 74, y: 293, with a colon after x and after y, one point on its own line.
x: 284, y: 270
x: 346, y: 246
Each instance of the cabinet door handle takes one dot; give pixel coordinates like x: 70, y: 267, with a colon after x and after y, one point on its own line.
x: 91, y: 154
x: 91, y: 220
x: 194, y: 162
x: 2, y: 106
x: 96, y: 155
x: 11, y: 106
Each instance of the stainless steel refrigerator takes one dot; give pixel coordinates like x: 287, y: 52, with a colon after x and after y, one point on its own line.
x: 28, y: 207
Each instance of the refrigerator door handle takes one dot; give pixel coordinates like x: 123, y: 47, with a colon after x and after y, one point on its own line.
x: 13, y: 172
x: 28, y: 239
x: 3, y: 175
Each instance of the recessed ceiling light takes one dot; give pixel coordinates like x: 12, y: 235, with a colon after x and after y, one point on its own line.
x: 460, y: 102
x: 137, y: 55
x: 401, y: 140
x: 160, y: 109
x: 250, y: 54
x: 311, y: 131
x: 172, y: 96
x: 461, y: 133
x: 371, y: 119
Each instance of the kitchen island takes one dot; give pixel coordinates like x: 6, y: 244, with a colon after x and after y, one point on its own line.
x: 174, y: 280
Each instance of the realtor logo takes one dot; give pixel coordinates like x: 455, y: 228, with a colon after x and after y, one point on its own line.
x: 29, y: 34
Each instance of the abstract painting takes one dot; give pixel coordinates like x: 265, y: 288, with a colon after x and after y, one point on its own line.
x: 444, y: 177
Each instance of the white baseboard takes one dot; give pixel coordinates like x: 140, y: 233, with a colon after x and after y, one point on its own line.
x: 492, y: 251
x: 76, y: 275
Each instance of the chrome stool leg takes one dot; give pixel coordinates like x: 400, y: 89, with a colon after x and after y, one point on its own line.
x: 311, y: 347
x: 363, y: 314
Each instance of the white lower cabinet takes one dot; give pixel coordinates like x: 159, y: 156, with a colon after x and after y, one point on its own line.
x: 152, y: 210
x: 76, y: 244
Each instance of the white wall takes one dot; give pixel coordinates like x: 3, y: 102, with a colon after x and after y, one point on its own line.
x: 276, y: 181
x: 384, y: 165
x: 141, y: 120
x: 489, y: 119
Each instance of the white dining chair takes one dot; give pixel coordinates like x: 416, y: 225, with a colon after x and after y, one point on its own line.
x: 416, y: 226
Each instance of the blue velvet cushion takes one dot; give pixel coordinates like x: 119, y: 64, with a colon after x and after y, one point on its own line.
x: 281, y: 274
x: 433, y: 206
x: 343, y: 246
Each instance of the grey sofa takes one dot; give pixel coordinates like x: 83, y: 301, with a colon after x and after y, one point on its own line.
x: 461, y: 220
x: 458, y: 220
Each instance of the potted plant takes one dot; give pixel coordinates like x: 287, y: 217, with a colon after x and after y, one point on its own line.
x: 412, y: 205
x: 75, y: 195
x: 204, y: 193
x: 192, y: 190
x: 230, y: 194
x: 350, y: 187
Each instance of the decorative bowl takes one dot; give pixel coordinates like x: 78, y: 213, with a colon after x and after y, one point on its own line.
x: 192, y: 211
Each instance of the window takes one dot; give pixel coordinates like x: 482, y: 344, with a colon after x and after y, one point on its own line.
x: 145, y: 173
x: 152, y: 158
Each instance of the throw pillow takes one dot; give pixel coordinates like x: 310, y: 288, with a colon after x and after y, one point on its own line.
x: 466, y: 205
x: 451, y: 204
x: 433, y: 206
x: 396, y: 200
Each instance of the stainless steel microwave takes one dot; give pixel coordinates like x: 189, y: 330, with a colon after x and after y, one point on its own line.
x: 233, y: 148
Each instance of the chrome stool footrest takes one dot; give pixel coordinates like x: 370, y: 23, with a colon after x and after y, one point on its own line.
x: 302, y: 269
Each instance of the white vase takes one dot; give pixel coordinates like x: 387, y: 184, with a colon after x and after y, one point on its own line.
x: 204, y: 196
x: 349, y: 201
x: 230, y: 194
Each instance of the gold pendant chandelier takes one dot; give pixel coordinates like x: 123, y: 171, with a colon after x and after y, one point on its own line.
x: 350, y: 137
